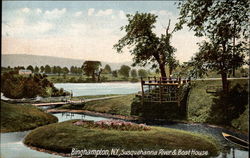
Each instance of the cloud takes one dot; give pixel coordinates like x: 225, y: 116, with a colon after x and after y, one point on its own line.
x: 78, y: 13
x: 38, y: 11
x: 55, y: 13
x: 20, y: 27
x: 91, y: 11
x: 122, y: 15
x: 104, y: 12
x: 25, y: 10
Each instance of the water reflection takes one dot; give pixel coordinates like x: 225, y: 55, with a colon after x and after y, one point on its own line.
x: 13, y: 147
x: 71, y: 116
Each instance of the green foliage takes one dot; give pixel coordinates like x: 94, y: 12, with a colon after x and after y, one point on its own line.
x: 134, y: 73
x: 227, y: 107
x: 219, y: 108
x: 47, y: 69
x: 142, y: 73
x: 115, y: 73
x: 30, y: 68
x: 134, y: 80
x: 225, y: 24
x: 23, y: 117
x: 42, y: 69
x: 65, y: 70
x: 242, y: 123
x: 91, y: 67
x: 16, y: 86
x: 36, y: 70
x: 107, y: 69
x: 124, y: 71
x: 147, y: 47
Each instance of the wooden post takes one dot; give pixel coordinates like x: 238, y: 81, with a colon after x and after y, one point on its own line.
x: 142, y: 90
x: 155, y: 79
x: 160, y: 91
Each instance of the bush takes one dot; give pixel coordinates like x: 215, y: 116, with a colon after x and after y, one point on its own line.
x: 16, y: 86
x: 134, y: 80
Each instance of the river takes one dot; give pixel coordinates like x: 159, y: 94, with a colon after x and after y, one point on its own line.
x: 83, y: 89
x: 12, y: 146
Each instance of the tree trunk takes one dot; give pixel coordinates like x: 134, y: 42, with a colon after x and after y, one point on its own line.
x: 162, y: 69
x: 93, y: 76
x: 224, y: 82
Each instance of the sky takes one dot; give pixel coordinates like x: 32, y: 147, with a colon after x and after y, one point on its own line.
x: 84, y: 29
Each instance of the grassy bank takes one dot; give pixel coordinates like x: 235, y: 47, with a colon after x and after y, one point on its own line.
x: 62, y: 137
x: 94, y: 96
x: 214, y: 108
x: 120, y: 105
x: 21, y: 117
x: 70, y: 78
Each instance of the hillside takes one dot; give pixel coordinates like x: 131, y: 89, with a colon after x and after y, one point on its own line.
x: 13, y: 60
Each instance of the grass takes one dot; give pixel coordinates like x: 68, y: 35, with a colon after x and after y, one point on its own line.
x: 120, y: 105
x: 71, y: 78
x: 95, y: 96
x: 203, y: 106
x: 21, y: 117
x: 62, y: 137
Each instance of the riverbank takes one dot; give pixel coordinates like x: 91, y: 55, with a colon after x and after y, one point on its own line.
x: 96, y: 114
x: 118, y: 105
x: 229, y: 111
x: 85, y: 79
x: 202, y: 106
x: 62, y: 137
x: 22, y: 117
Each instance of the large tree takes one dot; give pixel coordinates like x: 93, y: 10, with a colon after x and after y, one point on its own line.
x: 30, y: 68
x: 42, y: 69
x: 145, y: 46
x: 134, y: 73
x: 124, y: 70
x: 142, y: 73
x: 47, y: 69
x: 36, y: 70
x: 107, y: 69
x: 225, y: 26
x: 91, y: 68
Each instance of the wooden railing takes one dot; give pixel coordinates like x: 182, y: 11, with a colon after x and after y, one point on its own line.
x: 164, y: 80
x: 159, y: 89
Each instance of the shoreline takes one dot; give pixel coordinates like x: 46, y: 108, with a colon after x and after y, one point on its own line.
x: 137, y: 118
x: 47, y: 151
x: 93, y: 113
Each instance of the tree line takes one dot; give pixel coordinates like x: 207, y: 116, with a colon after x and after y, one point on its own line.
x: 92, y: 69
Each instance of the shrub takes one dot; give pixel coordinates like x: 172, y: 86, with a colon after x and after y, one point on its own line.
x: 16, y: 86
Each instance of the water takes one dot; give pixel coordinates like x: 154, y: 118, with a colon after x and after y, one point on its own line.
x: 71, y: 116
x: 230, y: 150
x: 13, y: 141
x: 83, y: 89
x: 13, y: 147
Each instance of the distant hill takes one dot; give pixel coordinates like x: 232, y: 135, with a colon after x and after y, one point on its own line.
x: 25, y: 60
